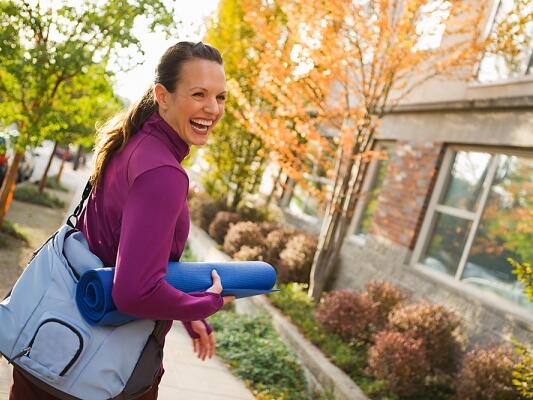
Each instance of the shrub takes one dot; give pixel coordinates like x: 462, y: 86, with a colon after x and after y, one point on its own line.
x: 297, y: 258
x: 247, y: 253
x: 267, y: 227
x: 436, y: 326
x: 347, y: 313
x: 275, y: 242
x: 523, y: 373
x: 487, y: 375
x: 401, y: 360
x: 202, y: 209
x: 220, y: 225
x: 386, y: 297
x: 242, y: 234
x: 254, y: 351
x: 255, y: 213
x: 31, y: 194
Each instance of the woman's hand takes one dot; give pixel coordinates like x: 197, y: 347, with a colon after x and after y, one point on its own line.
x: 217, y: 287
x: 205, y: 345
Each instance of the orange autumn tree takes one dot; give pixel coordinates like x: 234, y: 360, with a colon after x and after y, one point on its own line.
x: 339, y: 66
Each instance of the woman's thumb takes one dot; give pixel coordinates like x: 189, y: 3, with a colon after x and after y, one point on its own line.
x: 214, y: 275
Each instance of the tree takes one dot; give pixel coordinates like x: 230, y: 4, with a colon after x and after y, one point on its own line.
x: 45, y: 47
x: 84, y: 101
x: 341, y: 66
x: 236, y: 156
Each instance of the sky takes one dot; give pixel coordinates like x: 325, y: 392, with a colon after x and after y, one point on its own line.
x: 133, y: 83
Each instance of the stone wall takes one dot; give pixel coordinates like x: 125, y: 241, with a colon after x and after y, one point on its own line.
x: 386, y: 253
x: 384, y: 260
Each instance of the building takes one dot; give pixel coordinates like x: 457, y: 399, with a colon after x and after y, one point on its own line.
x: 452, y: 202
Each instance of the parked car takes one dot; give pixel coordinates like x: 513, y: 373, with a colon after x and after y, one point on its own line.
x: 26, y: 165
x: 66, y: 152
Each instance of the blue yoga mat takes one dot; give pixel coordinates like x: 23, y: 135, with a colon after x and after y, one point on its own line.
x: 239, y: 279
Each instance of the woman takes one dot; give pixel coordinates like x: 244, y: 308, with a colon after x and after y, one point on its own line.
x: 137, y: 217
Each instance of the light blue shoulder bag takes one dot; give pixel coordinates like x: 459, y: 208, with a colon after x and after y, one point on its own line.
x: 45, y: 337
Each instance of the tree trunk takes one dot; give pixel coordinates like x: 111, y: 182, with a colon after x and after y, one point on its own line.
x: 42, y: 184
x: 8, y: 186
x: 274, y: 187
x: 339, y: 213
x: 61, y: 167
x: 77, y: 159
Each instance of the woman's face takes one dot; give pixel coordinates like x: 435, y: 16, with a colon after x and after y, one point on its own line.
x: 197, y: 104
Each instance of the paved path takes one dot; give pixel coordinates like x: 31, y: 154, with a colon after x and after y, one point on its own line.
x: 186, y: 377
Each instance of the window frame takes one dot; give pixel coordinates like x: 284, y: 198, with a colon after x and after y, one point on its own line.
x: 361, y: 206
x: 432, y: 212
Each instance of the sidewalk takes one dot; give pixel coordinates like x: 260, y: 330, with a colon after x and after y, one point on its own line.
x: 185, y: 375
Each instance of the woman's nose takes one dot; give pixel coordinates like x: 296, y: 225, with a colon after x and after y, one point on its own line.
x: 211, y: 106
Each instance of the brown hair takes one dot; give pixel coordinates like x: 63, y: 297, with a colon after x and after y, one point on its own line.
x: 113, y: 136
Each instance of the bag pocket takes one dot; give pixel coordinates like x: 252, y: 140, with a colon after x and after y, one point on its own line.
x: 54, y: 348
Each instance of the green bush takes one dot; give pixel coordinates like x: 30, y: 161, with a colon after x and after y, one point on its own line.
x: 51, y: 183
x: 14, y: 230
x: 350, y: 356
x: 487, y: 375
x: 254, y: 351
x: 523, y: 372
x: 30, y: 194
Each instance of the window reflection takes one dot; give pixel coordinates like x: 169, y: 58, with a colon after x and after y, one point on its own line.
x: 505, y: 230
x: 466, y: 181
x: 375, y: 189
x: 447, y: 243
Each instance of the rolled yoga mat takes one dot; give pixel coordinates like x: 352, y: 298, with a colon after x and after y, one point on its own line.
x: 239, y: 279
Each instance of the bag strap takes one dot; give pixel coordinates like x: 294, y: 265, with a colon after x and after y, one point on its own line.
x: 77, y: 211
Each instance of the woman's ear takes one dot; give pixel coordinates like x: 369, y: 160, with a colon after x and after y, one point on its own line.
x: 162, y: 96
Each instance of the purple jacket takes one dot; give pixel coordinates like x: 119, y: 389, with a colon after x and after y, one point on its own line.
x: 138, y: 220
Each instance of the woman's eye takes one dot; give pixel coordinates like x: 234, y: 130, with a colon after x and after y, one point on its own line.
x: 221, y: 98
x: 198, y: 94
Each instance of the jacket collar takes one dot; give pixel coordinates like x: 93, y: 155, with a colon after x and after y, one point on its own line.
x: 162, y: 129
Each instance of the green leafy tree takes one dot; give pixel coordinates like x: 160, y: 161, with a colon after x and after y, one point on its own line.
x: 84, y: 101
x: 45, y: 47
x: 236, y: 156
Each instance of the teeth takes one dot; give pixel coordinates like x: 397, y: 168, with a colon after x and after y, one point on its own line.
x: 205, y: 122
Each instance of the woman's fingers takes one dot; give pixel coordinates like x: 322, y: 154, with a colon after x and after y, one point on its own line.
x: 217, y: 284
x: 212, y: 345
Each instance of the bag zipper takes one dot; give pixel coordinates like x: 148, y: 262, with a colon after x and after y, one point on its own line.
x: 26, y: 351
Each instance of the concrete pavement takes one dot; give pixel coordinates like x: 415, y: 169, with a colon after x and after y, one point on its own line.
x: 186, y: 377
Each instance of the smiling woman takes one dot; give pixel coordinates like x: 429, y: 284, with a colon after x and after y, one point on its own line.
x: 137, y: 216
x: 197, y: 104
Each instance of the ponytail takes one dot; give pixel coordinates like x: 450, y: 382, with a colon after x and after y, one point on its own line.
x: 114, y: 135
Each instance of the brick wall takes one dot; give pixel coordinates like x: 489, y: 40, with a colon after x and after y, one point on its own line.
x: 406, y: 191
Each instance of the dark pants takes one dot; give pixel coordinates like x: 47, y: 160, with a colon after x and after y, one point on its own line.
x: 23, y: 389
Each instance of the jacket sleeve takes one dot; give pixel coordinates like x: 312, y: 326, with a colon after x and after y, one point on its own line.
x: 154, y: 202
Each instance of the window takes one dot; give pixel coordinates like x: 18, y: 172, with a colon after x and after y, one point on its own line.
x: 516, y: 61
x: 482, y: 216
x: 377, y: 171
